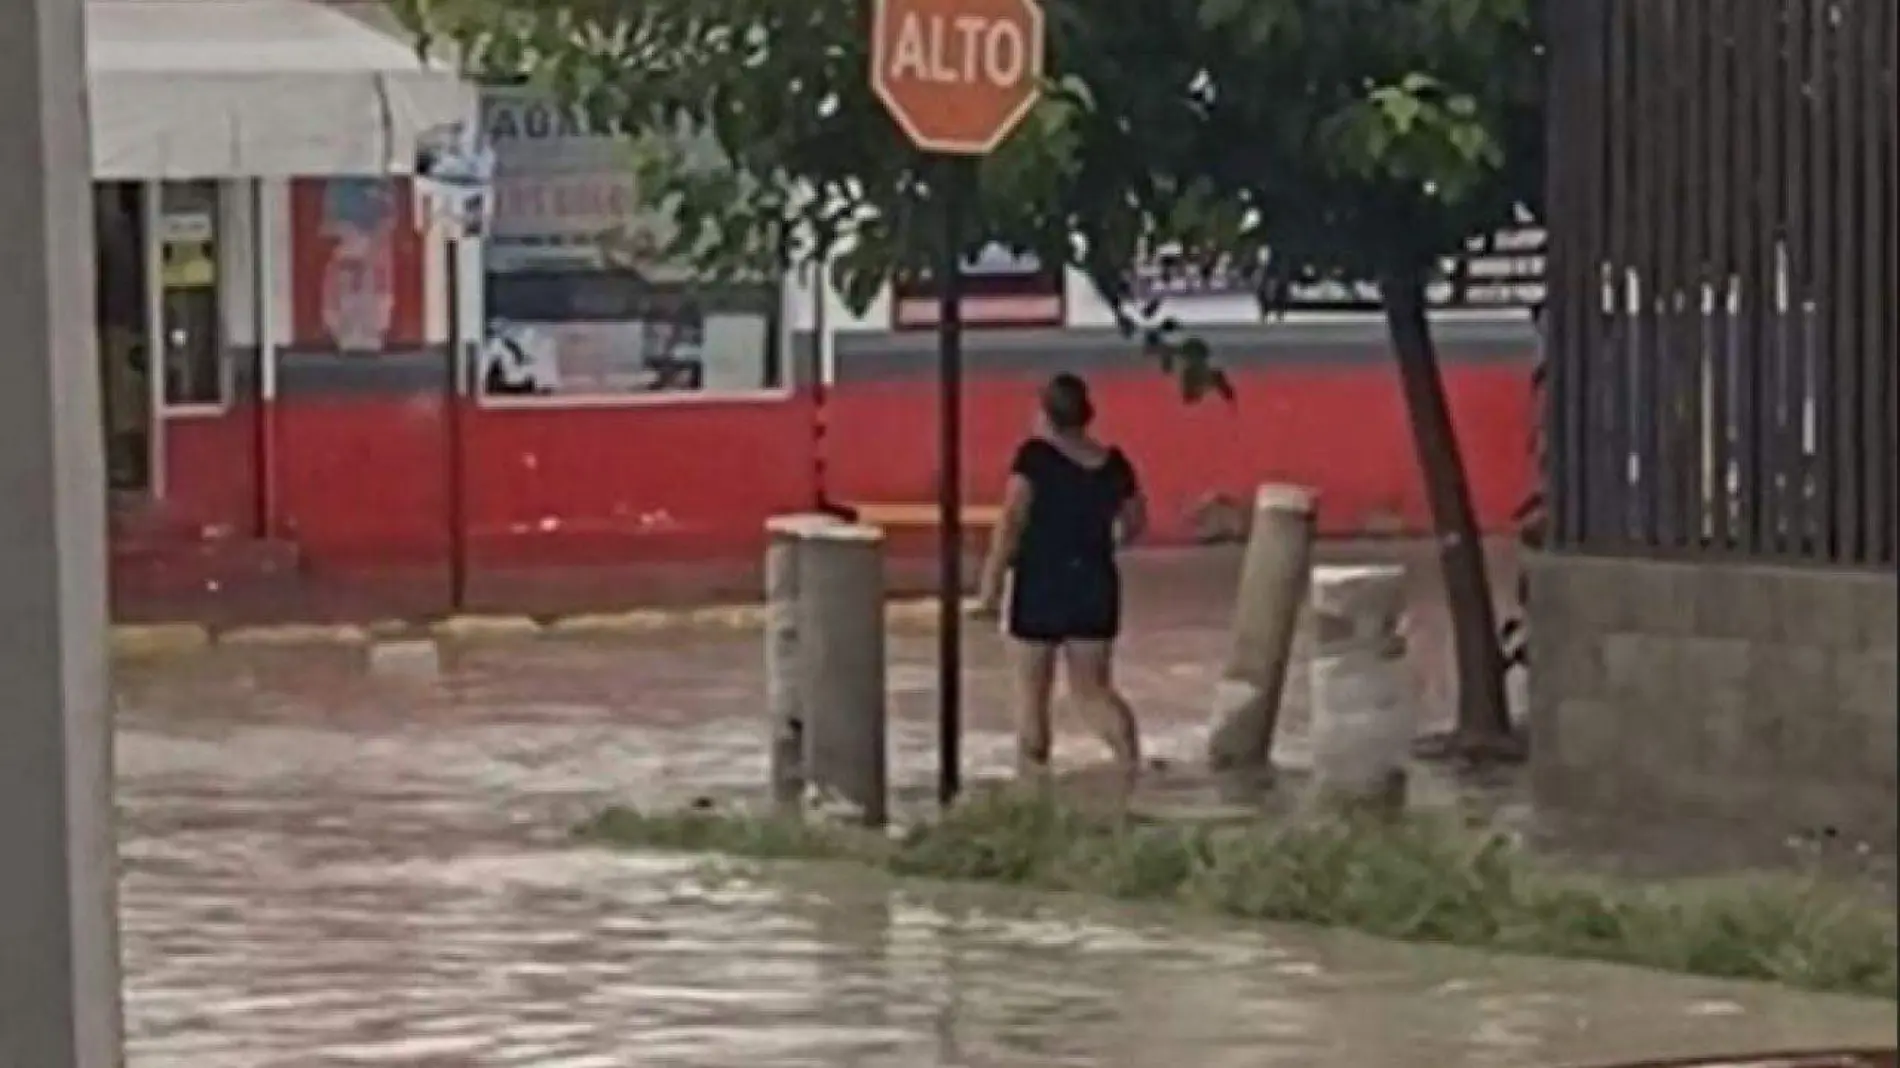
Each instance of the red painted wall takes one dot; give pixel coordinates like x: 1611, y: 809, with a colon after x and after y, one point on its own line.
x: 210, y: 472
x: 362, y: 480
x: 675, y: 480
x: 1343, y: 431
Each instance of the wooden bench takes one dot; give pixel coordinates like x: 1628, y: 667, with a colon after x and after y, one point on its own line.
x: 920, y: 515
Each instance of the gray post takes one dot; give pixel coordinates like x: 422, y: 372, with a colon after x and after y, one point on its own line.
x: 59, y: 962
x: 784, y: 555
x: 1273, y: 580
x: 1362, y: 705
x: 840, y: 677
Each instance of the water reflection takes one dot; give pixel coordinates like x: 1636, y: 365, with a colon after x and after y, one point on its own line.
x: 323, y: 868
x: 589, y: 958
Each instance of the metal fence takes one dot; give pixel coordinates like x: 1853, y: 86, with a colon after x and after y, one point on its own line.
x: 1721, y: 338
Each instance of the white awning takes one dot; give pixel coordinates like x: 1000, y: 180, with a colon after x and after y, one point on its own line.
x: 256, y: 89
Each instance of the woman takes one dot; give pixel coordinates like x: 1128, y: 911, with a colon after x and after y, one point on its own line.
x: 1070, y: 501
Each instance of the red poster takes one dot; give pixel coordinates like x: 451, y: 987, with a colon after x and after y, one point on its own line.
x: 356, y: 265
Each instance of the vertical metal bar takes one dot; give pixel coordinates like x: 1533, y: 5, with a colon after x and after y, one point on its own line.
x: 1888, y: 417
x: 819, y: 371
x: 1589, y: 380
x: 152, y: 219
x: 1792, y: 266
x: 1562, y: 152
x: 1844, y: 384
x: 1614, y: 455
x: 1819, y: 366
x: 1721, y: 94
x: 1781, y: 145
x: 1878, y: 282
x: 265, y: 316
x: 1566, y: 149
x: 1646, y: 357
x: 1673, y: 348
x: 454, y: 391
x: 1756, y: 216
x: 953, y: 174
x: 1691, y: 276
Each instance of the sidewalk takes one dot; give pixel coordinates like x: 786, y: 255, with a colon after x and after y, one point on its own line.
x: 704, y: 687
x: 659, y: 587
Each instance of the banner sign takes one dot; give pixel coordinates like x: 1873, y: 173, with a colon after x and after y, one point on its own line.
x: 1001, y: 290
x: 1504, y: 270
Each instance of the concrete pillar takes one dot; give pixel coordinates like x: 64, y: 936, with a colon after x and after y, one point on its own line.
x: 785, y: 720
x: 1273, y: 579
x: 825, y: 663
x: 59, y: 960
x: 1363, y: 714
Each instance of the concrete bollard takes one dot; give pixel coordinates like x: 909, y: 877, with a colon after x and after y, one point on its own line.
x: 825, y: 664
x: 1273, y: 581
x: 785, y: 720
x: 1363, y: 714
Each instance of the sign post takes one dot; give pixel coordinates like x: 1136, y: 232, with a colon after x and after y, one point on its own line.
x: 958, y: 76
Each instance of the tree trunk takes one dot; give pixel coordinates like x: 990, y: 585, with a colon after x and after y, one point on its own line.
x: 1484, y: 720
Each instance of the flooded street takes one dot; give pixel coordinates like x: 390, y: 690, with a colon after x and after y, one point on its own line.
x: 329, y: 867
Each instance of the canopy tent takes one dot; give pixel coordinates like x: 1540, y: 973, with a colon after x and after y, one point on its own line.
x: 185, y: 89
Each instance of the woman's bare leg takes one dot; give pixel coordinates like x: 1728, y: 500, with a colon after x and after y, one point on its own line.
x: 1091, y: 679
x: 1035, y: 680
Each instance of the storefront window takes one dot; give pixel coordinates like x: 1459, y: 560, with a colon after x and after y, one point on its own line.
x: 190, y: 323
x: 614, y: 334
x: 580, y: 300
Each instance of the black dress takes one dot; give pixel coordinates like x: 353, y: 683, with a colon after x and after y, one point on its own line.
x: 1064, y: 585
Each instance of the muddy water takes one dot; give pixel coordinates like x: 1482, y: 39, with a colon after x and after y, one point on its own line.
x: 328, y: 867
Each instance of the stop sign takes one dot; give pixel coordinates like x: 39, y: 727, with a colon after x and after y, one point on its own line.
x: 957, y: 75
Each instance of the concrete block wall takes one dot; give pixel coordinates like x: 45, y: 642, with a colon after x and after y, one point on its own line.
x: 1758, y: 694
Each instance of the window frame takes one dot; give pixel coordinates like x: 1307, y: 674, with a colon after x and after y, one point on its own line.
x: 762, y: 298
x: 223, y: 253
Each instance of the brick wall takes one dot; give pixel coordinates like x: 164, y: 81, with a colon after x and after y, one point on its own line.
x: 1757, y: 694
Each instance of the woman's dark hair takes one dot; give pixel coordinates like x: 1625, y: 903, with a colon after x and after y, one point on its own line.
x: 1065, y: 403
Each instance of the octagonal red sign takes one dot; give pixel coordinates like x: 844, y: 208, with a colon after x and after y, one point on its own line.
x: 957, y: 75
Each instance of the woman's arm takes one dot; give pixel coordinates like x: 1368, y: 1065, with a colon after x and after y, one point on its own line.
x: 1003, y: 541
x: 1132, y: 521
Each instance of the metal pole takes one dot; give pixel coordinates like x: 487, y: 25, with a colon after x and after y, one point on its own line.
x: 152, y: 217
x: 456, y: 371
x: 819, y: 367
x: 264, y: 278
x: 955, y: 177
x: 59, y: 954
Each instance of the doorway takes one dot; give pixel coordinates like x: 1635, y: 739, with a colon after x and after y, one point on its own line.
x: 123, y: 324
x: 159, y: 321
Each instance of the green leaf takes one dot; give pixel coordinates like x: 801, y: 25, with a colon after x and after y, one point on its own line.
x: 1401, y: 109
x: 1350, y: 136
x: 1221, y: 13
x: 1472, y: 142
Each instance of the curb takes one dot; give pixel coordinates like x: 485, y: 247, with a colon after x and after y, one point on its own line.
x: 294, y: 634
x: 137, y: 642
x: 152, y: 641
